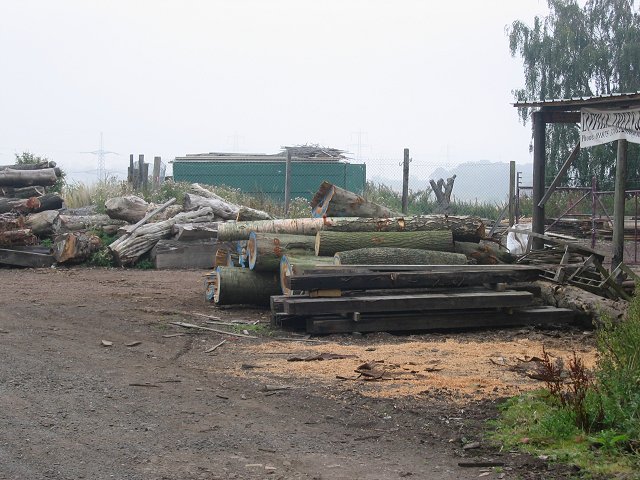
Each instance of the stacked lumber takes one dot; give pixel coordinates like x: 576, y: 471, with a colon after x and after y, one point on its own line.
x: 359, y: 298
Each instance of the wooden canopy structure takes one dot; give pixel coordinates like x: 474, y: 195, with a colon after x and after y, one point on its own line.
x: 569, y: 111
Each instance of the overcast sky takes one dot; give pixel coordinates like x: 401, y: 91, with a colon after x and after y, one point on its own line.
x: 177, y: 76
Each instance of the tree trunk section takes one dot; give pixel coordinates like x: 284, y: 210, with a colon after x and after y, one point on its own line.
x: 398, y: 256
x: 27, y: 178
x: 221, y: 208
x: 295, y: 264
x: 483, y: 254
x: 249, y: 214
x: 195, y: 231
x: 333, y: 201
x: 24, y: 192
x: 22, y: 236
x: 241, y: 286
x: 74, y: 223
x: 588, y: 304
x: 266, y: 249
x: 464, y: 228
x: 75, y: 247
x: 329, y: 243
x: 45, y: 223
x: 130, y: 208
x: 11, y: 221
x: 29, y: 166
x: 128, y: 249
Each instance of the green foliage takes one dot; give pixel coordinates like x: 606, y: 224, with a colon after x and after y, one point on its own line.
x: 592, y: 421
x: 580, y: 51
x: 46, y: 242
x: 144, y: 264
x: 102, y: 258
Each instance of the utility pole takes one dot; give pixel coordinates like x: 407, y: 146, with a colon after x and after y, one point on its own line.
x: 101, y: 171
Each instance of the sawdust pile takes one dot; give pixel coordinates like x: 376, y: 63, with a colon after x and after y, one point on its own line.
x: 464, y: 369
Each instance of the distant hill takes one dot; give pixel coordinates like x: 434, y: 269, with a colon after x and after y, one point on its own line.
x: 483, y: 181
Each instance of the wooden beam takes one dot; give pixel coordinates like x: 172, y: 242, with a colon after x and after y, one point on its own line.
x: 405, y: 182
x: 391, y: 280
x: 296, y: 305
x: 561, y: 173
x: 25, y: 258
x: 452, y: 319
x: 539, y: 160
x: 617, y: 247
x: 560, y: 117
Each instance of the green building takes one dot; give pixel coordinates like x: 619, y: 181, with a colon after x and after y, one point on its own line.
x: 260, y: 174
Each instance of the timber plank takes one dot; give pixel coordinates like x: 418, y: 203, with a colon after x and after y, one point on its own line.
x: 397, y: 303
x: 409, y: 279
x: 24, y: 258
x: 440, y: 320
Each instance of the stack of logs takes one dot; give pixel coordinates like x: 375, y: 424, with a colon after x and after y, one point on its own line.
x: 23, y: 191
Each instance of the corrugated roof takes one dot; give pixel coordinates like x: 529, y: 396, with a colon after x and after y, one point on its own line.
x: 575, y: 103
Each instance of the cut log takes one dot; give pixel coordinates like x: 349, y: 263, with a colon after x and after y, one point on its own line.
x: 49, y: 201
x: 221, y: 208
x: 25, y: 258
x: 464, y: 228
x: 24, y: 192
x: 247, y: 214
x: 590, y: 305
x: 296, y: 265
x: 333, y: 201
x: 44, y: 223
x: 74, y: 223
x: 266, y: 249
x: 129, y: 208
x: 22, y: 236
x: 483, y: 254
x: 398, y: 256
x: 442, y: 192
x: 29, y: 166
x: 194, y: 231
x: 25, y: 178
x: 223, y: 258
x: 75, y: 247
x: 11, y: 221
x: 329, y: 243
x: 129, y: 248
x: 235, y: 286
x: 200, y: 254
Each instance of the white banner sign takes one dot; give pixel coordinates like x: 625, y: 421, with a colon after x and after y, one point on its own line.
x: 604, y: 126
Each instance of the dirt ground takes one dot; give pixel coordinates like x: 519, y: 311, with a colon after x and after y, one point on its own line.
x: 165, y: 408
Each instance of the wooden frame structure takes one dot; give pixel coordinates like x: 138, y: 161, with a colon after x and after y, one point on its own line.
x: 568, y: 111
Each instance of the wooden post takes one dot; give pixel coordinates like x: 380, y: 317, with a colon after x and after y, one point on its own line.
x: 405, y: 182
x: 156, y: 172
x: 131, y: 170
x: 138, y: 181
x: 617, y: 247
x: 539, y: 160
x: 287, y: 183
x: 145, y: 176
x: 512, y: 193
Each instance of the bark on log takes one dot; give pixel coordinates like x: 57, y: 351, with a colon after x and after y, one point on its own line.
x: 333, y: 201
x: 588, y: 304
x: 22, y: 236
x: 483, y: 254
x: 29, y: 166
x: 398, y: 256
x: 329, y: 243
x: 44, y: 223
x: 24, y: 192
x: 25, y: 178
x: 74, y: 223
x: 442, y: 192
x: 128, y: 249
x: 235, y: 286
x: 195, y: 231
x: 464, y: 228
x: 129, y: 208
x: 50, y: 201
x: 11, y: 221
x: 221, y: 208
x: 296, y: 265
x: 266, y: 249
x: 249, y: 214
x: 75, y: 247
